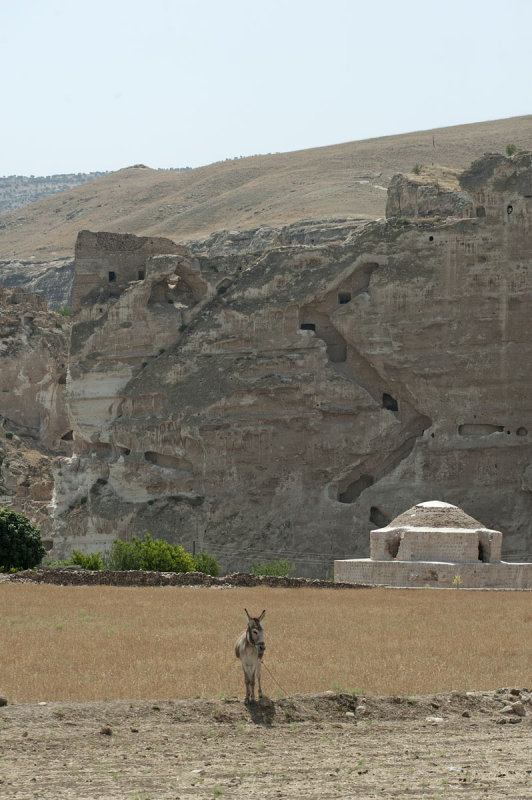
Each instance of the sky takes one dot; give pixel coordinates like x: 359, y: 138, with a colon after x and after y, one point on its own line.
x: 95, y: 86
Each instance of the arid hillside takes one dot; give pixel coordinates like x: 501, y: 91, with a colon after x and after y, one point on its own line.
x: 341, y: 181
x: 17, y: 191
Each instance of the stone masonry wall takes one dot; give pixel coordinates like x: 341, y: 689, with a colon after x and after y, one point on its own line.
x: 422, y: 573
x: 425, y: 544
x: 109, y: 261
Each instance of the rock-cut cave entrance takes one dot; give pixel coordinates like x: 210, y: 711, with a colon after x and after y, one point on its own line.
x: 353, y: 491
x: 313, y: 320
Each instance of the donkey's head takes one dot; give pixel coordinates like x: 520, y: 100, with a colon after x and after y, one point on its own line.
x: 255, y: 634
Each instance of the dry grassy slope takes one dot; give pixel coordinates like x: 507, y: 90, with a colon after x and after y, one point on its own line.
x: 344, y: 180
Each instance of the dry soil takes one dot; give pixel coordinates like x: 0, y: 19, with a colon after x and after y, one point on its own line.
x: 331, y: 745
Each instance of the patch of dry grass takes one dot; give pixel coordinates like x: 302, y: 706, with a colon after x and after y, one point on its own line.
x: 98, y: 643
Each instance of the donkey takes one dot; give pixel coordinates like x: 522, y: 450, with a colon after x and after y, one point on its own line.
x: 249, y: 648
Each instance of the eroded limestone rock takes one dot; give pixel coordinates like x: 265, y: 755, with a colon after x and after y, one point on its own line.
x: 282, y: 404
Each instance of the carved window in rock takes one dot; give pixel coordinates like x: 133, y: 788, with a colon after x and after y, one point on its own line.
x: 389, y: 402
x: 112, y: 276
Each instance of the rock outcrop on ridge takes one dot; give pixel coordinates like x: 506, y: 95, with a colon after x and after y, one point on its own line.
x: 281, y: 404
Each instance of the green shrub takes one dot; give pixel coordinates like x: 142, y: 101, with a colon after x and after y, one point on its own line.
x: 121, y: 556
x: 148, y: 554
x: 205, y: 563
x: 221, y: 289
x: 20, y: 542
x: 65, y: 311
x: 280, y: 569
x: 86, y: 560
x: 9, y: 434
x: 512, y: 149
x: 416, y: 169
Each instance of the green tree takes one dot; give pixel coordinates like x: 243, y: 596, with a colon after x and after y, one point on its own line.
x: 20, y: 542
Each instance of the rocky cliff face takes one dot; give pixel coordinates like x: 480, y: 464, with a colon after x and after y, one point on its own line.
x: 282, y: 404
x: 34, y: 425
x: 430, y: 192
x: 52, y: 280
x: 34, y: 359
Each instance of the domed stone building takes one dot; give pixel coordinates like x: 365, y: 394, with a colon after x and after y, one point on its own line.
x: 435, y: 544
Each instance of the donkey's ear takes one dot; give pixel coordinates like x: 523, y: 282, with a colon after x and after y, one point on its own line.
x: 247, y: 615
x: 262, y: 615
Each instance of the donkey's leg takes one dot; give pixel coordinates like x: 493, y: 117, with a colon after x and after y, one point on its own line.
x: 248, y: 687
x: 259, y: 664
x: 252, y: 683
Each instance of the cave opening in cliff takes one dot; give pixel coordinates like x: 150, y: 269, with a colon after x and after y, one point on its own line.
x: 378, y: 517
x: 67, y: 437
x: 478, y: 429
x: 344, y: 297
x: 389, y: 402
x: 112, y: 276
x: 307, y: 326
x: 352, y: 492
x: 141, y: 274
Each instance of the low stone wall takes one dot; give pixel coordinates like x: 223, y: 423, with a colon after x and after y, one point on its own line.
x: 66, y: 576
x: 501, y: 575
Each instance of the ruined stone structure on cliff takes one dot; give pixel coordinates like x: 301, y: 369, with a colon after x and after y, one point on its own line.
x: 435, y: 544
x: 281, y: 404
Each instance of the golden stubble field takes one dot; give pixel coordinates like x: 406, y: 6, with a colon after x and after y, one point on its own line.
x: 94, y: 677
x: 109, y: 643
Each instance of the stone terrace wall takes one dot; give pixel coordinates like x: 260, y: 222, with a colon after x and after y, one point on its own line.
x: 76, y: 577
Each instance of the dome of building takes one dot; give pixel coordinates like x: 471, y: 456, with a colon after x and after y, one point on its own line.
x: 435, y: 531
x: 435, y: 514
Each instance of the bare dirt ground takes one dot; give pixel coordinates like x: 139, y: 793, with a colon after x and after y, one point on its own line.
x: 331, y: 745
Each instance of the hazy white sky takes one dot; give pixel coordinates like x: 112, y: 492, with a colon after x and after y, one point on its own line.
x: 168, y: 83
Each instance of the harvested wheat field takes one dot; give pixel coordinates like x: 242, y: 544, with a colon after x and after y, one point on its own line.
x: 370, y: 694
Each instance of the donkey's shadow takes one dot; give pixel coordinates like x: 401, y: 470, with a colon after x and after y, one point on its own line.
x: 262, y: 712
